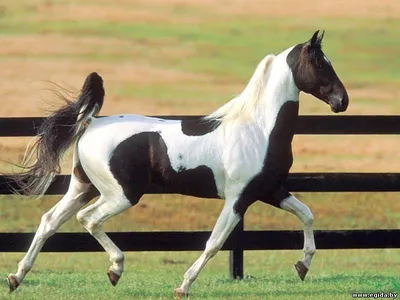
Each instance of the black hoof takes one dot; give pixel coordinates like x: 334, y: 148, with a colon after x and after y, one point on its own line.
x: 301, y: 269
x: 12, y: 283
x: 180, y: 294
x: 113, y: 277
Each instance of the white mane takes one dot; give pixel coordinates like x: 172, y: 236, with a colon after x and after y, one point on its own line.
x: 242, y: 106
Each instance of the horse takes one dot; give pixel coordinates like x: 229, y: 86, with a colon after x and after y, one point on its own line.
x: 241, y: 153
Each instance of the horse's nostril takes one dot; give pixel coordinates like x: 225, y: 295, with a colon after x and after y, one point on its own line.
x: 345, y: 102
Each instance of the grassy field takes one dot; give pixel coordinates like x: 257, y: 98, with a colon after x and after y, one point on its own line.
x: 269, y: 275
x: 190, y: 57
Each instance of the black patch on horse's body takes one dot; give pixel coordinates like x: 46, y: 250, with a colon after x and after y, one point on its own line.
x: 293, y: 57
x: 267, y: 185
x: 80, y: 174
x: 142, y: 161
x: 199, y: 126
x: 90, y: 194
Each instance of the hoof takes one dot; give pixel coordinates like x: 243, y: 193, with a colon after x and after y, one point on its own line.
x: 180, y: 294
x: 113, y: 277
x: 12, y: 283
x: 301, y: 269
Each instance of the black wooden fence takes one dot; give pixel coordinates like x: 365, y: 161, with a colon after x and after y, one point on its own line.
x: 240, y: 240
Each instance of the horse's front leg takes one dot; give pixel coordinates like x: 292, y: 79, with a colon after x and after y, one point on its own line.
x: 293, y: 205
x: 283, y: 199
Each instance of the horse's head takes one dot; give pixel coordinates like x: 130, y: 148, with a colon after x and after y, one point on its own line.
x: 313, y: 74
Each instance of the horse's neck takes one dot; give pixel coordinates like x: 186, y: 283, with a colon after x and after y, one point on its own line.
x: 279, y: 90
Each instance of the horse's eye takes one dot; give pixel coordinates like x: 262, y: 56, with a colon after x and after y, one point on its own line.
x: 320, y: 65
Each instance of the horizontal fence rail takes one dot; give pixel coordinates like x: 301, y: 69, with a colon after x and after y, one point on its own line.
x: 195, y: 241
x: 239, y: 240
x: 17, y: 127
x: 296, y: 182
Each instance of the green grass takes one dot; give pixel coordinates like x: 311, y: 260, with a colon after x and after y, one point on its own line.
x: 223, y: 51
x: 351, y: 51
x: 359, y: 49
x: 167, y: 94
x: 155, y: 212
x: 269, y: 275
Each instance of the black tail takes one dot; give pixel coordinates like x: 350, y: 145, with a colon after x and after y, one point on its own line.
x: 56, y: 134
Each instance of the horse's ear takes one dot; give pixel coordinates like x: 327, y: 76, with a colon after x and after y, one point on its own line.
x: 315, y: 42
x: 320, y: 38
x: 314, y: 39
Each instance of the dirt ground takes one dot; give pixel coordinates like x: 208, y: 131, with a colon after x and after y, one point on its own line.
x: 117, y: 10
x: 325, y: 8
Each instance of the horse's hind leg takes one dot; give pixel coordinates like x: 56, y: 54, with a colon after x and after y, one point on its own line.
x: 93, y: 217
x: 77, y: 196
x: 293, y: 205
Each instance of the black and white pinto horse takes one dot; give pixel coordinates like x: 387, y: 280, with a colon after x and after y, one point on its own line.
x: 241, y: 152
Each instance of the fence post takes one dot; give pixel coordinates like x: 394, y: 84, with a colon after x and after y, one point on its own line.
x: 236, y: 255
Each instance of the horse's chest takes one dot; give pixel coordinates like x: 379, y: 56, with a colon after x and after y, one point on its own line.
x: 277, y: 162
x: 279, y: 151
